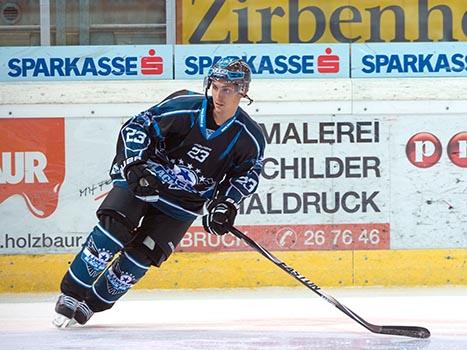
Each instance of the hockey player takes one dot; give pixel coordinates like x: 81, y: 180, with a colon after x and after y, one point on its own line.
x: 188, y: 155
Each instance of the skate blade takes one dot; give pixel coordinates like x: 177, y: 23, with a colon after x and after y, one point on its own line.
x: 63, y: 322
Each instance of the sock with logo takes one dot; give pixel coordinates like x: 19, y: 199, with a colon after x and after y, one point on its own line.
x: 124, y: 272
x: 98, y: 250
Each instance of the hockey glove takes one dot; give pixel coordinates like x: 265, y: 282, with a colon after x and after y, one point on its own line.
x: 140, y: 180
x: 221, y: 216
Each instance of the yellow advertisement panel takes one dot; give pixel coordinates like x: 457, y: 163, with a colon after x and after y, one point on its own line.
x: 321, y: 21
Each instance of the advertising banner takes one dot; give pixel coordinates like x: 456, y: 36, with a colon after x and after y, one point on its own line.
x: 396, y: 60
x: 267, y: 61
x: 324, y: 186
x: 329, y: 183
x: 353, y: 182
x: 429, y: 181
x: 52, y: 207
x: 330, y: 195
x: 319, y: 21
x: 56, y: 63
x: 33, y: 162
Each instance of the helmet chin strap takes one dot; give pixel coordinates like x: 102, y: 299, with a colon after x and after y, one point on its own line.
x: 250, y: 100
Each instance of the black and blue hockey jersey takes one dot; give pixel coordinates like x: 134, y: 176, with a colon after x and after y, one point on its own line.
x: 192, y: 162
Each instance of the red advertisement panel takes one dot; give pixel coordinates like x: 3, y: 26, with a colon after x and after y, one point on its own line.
x: 293, y: 238
x: 32, y: 162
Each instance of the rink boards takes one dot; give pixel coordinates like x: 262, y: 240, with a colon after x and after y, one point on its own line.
x: 364, y: 183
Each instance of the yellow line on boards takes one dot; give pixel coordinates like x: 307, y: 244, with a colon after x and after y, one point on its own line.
x: 43, y: 273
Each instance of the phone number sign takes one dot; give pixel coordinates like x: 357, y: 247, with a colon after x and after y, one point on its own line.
x: 292, y: 238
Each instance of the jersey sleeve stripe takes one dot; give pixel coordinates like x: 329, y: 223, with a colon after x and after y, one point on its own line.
x: 231, y: 145
x: 157, y: 130
x: 258, y: 148
x: 180, y: 111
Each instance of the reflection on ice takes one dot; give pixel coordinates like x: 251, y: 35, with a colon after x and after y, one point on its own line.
x: 241, y: 320
x: 133, y: 337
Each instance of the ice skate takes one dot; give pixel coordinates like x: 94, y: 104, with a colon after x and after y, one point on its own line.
x: 65, y: 308
x: 83, y: 313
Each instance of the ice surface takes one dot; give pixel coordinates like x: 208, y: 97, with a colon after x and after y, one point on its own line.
x: 268, y: 318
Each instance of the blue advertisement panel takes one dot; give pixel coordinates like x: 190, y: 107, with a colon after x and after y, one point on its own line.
x: 86, y: 62
x: 397, y: 60
x: 269, y: 61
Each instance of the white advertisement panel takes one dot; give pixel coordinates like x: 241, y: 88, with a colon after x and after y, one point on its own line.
x: 428, y: 161
x: 57, y: 63
x: 325, y: 183
x: 396, y: 60
x: 267, y: 61
x: 49, y: 191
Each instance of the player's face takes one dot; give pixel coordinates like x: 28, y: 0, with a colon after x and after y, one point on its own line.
x: 226, y: 98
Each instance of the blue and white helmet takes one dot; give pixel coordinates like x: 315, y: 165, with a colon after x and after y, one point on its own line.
x: 232, y: 70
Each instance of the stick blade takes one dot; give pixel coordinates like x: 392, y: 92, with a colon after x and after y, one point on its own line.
x: 407, y: 331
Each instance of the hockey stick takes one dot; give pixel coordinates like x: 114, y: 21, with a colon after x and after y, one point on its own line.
x: 408, y: 331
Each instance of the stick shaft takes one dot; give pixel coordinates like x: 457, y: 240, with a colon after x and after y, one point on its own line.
x: 416, y: 332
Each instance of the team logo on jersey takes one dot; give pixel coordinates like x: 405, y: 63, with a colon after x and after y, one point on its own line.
x: 182, y: 176
x: 189, y: 176
x: 32, y: 162
x: 186, y: 175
